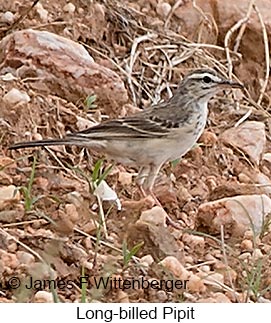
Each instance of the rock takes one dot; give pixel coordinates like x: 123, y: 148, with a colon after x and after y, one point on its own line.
x: 156, y: 216
x: 257, y: 254
x: 83, y: 123
x: 246, y: 245
x: 208, y: 138
x: 249, y: 137
x: 43, y: 13
x: 163, y: 9
x: 262, y: 179
x: 175, y: 267
x: 8, y: 77
x: 43, y: 296
x: 195, y: 284
x: 267, y: 157
x: 72, y: 213
x: 60, y: 66
x: 216, y: 280
x: 7, y: 17
x: 236, y: 214
x: 122, y: 297
x: 10, y: 192
x: 125, y: 178
x: 148, y: 259
x: 9, y: 260
x: 69, y: 8
x: 15, y: 96
x: 25, y: 258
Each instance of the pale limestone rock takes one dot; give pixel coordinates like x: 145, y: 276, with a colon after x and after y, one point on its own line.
x: 7, y: 17
x: 61, y: 66
x: 125, y: 178
x: 148, y: 259
x: 196, y: 284
x: 15, y: 96
x: 249, y: 137
x: 9, y: 193
x: 236, y: 213
x: 157, y: 216
x: 25, y: 257
x: 43, y: 296
x: 163, y: 9
x: 175, y: 267
x: 69, y: 8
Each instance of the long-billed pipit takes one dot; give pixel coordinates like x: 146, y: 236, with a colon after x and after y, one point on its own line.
x: 158, y: 134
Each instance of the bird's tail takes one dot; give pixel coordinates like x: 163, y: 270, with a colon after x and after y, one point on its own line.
x: 47, y: 142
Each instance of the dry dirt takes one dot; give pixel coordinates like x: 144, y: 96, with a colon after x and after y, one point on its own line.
x: 59, y: 227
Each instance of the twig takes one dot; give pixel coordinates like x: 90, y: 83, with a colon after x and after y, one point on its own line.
x: 9, y: 236
x: 133, y: 56
x: 169, y: 16
x: 243, y: 27
x: 229, y: 34
x: 266, y: 52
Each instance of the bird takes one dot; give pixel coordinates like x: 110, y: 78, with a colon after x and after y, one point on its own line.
x: 158, y: 134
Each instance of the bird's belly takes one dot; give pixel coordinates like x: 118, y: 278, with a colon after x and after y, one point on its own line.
x: 146, y: 151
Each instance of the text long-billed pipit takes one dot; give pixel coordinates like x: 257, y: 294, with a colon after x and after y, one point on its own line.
x: 159, y: 134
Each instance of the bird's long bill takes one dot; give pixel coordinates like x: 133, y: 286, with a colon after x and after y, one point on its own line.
x: 228, y: 83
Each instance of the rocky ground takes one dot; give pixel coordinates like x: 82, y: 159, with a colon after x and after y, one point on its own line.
x: 118, y: 57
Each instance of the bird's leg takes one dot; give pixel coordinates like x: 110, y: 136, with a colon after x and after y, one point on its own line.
x: 147, y: 189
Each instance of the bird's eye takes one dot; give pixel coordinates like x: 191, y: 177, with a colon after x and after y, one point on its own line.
x: 207, y: 79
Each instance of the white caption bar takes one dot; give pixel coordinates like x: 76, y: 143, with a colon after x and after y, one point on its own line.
x: 146, y: 312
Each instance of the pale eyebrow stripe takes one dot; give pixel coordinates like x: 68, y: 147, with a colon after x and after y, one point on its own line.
x: 201, y: 75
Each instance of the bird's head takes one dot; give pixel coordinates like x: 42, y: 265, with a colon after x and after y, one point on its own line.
x: 204, y: 83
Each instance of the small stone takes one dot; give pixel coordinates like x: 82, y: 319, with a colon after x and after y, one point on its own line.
x: 125, y: 178
x: 122, y: 297
x: 43, y: 296
x: 195, y: 284
x: 10, y: 192
x: 9, y: 260
x: 244, y: 256
x: 267, y: 157
x: 43, y: 13
x: 246, y: 245
x: 208, y: 138
x: 8, y: 77
x: 83, y: 123
x: 148, y: 259
x: 249, y: 137
x: 221, y: 298
x: 163, y: 9
x: 16, y: 96
x: 90, y: 227
x: 69, y: 8
x: 7, y: 17
x: 175, y: 267
x: 257, y: 254
x: 12, y: 247
x: 162, y: 296
x: 72, y: 212
x: 157, y: 216
x: 25, y: 257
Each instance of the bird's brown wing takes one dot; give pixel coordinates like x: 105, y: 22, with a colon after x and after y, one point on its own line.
x: 121, y: 129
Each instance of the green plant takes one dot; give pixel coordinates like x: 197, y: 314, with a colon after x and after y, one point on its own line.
x: 30, y: 200
x: 89, y: 101
x: 129, y: 254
